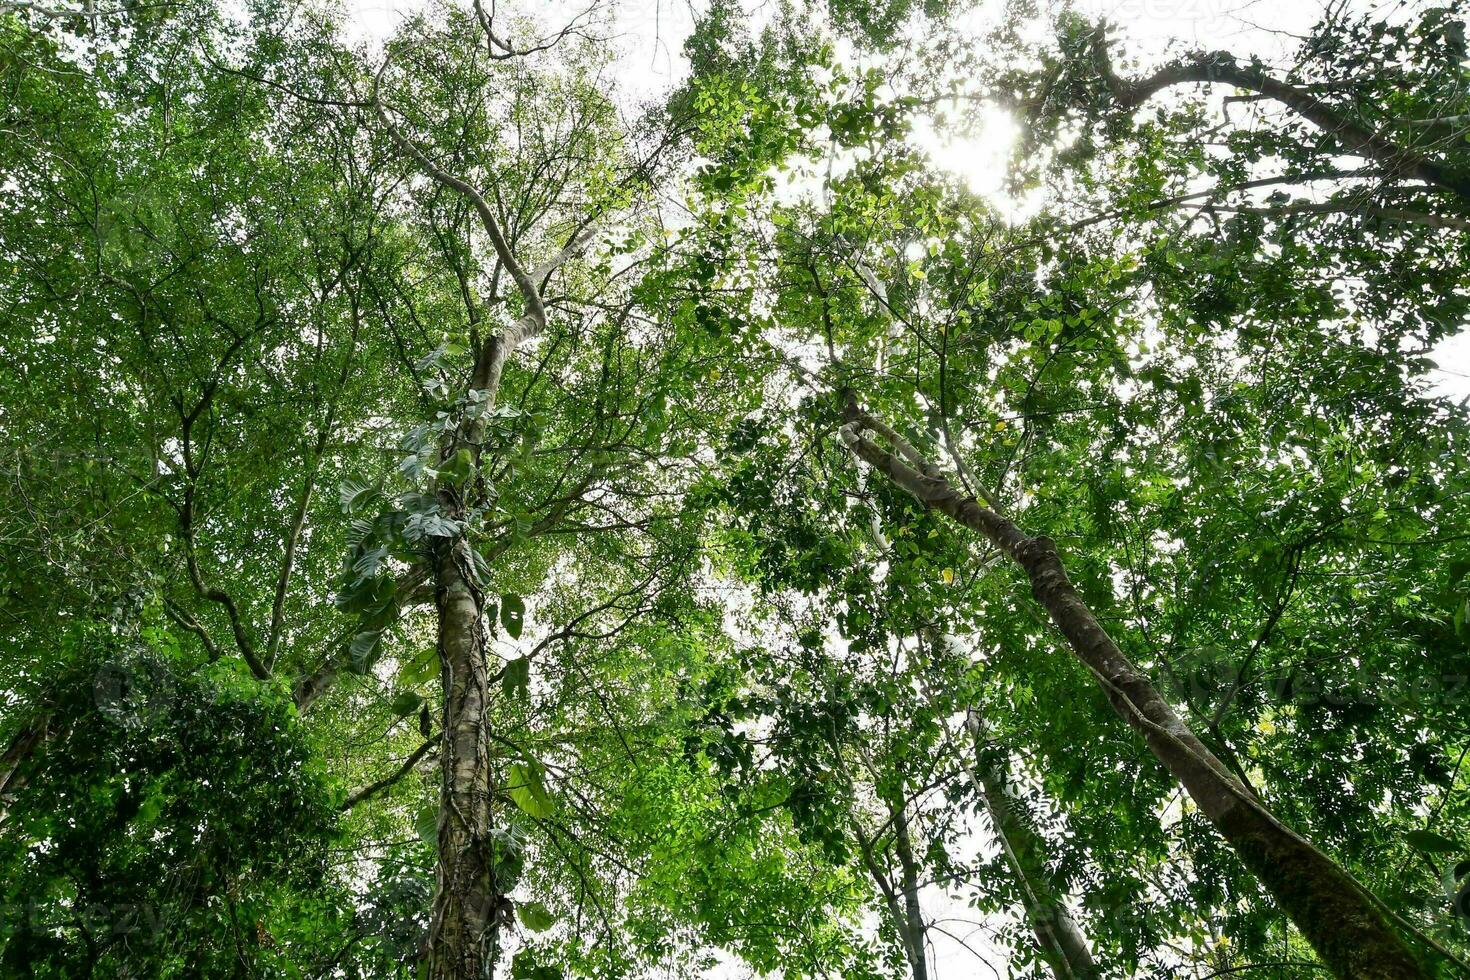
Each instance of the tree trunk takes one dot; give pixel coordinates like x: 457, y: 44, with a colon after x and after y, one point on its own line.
x: 1342, y: 921
x: 1063, y: 946
x: 467, y: 911
x: 462, y: 934
x: 23, y: 745
x: 912, y: 924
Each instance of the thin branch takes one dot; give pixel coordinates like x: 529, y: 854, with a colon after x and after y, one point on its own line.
x: 372, y: 789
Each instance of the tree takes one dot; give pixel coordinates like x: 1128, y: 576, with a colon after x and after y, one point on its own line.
x: 459, y: 522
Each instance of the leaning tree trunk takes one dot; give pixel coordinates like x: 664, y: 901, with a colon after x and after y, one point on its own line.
x: 1344, y: 923
x: 464, y: 920
x: 1063, y: 946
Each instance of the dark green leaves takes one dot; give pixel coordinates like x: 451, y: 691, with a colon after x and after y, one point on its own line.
x: 512, y: 614
x: 458, y: 468
x: 1431, y: 843
x: 517, y: 678
x: 364, y: 650
x: 405, y: 703
x: 364, y: 595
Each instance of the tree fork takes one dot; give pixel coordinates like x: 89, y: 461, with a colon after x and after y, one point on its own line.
x: 1344, y: 923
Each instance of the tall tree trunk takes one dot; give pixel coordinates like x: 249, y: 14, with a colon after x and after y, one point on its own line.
x: 912, y: 924
x: 1063, y: 946
x: 467, y: 913
x: 463, y: 925
x: 1344, y: 923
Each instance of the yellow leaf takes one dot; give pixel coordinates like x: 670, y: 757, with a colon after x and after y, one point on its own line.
x: 948, y: 574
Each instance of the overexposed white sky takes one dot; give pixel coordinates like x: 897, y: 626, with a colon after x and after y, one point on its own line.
x: 648, y: 36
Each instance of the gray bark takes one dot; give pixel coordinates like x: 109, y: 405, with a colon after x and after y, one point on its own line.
x: 465, y: 913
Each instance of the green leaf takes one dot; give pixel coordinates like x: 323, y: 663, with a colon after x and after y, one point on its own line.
x: 363, y: 595
x: 528, y: 791
x: 368, y: 562
x: 355, y: 495
x: 458, y: 468
x: 364, y: 650
x: 426, y: 824
x: 535, y: 916
x: 516, y: 680
x: 513, y: 614
x: 405, y: 703
x: 1431, y: 843
x: 421, y: 669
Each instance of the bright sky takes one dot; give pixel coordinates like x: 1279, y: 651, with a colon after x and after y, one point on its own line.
x: 650, y: 33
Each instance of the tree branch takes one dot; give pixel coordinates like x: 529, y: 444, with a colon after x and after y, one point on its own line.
x: 372, y: 789
x: 1222, y: 67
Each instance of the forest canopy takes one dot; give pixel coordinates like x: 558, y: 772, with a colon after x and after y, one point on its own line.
x: 470, y: 512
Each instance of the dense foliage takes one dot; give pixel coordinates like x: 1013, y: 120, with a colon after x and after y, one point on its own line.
x: 462, y: 520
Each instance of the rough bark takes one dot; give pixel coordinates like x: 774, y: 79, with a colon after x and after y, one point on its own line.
x: 1063, y: 946
x: 466, y: 913
x: 1344, y: 924
x: 462, y: 932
